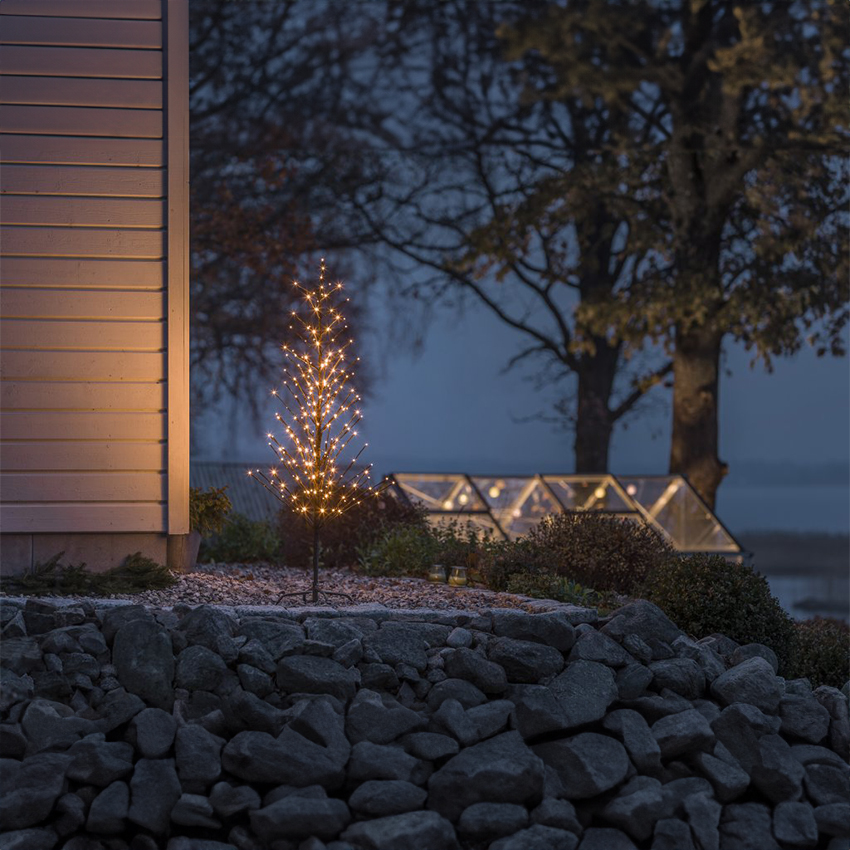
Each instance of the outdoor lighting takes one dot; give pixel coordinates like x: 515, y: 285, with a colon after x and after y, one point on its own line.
x: 463, y: 498
x: 494, y: 492
x: 457, y: 576
x: 599, y: 492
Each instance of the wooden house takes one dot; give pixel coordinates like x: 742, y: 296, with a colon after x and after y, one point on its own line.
x: 94, y: 287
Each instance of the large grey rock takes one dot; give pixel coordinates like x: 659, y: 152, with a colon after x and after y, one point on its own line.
x: 69, y: 814
x: 194, y: 810
x: 550, y: 628
x: 739, y: 728
x: 683, y: 676
x: 584, y: 690
x: 632, y: 681
x: 278, y: 637
x: 144, y: 661
x: 254, y: 654
x: 523, y: 660
x: 630, y: 728
x: 537, y: 837
x: 676, y: 792
x: 398, y: 644
x: 154, y: 789
x: 208, y: 626
x: 746, y: 826
x: 244, y: 711
x: 752, y: 681
x: 682, y: 733
x: 588, y: 764
x: 464, y: 692
x: 704, y: 818
x: 255, y: 680
x: 645, y: 620
x: 376, y: 761
x: 314, y: 675
x: 803, y: 717
x: 109, y: 810
x: 488, y: 821
x: 332, y: 631
x: 593, y: 645
x: 99, y: 762
x: 754, y: 650
x: 728, y: 780
x: 834, y: 819
x: 116, y: 708
x: 380, y: 798
x: 452, y: 719
x: 378, y: 677
x: 21, y: 655
x: 152, y: 732
x: 794, y: 824
x: 28, y: 839
x: 229, y: 800
x: 300, y: 817
x: 538, y: 711
x: 776, y: 773
x: 430, y: 746
x: 710, y: 661
x: 183, y: 842
x: 199, y: 669
x: 491, y: 718
x: 422, y: 830
x: 51, y: 725
x: 836, y: 703
x: 14, y: 689
x: 312, y: 750
x: 198, y: 757
x: 112, y: 619
x: 30, y: 789
x: 473, y: 667
x: 498, y: 770
x: 672, y: 834
x: 636, y: 808
x: 827, y: 783
x: 379, y: 718
x: 604, y: 838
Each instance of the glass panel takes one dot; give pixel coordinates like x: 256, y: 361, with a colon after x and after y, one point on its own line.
x: 440, y: 492
x: 580, y: 493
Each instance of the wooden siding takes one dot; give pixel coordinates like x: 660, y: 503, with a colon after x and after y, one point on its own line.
x: 93, y: 265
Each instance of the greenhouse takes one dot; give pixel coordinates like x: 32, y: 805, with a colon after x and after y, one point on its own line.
x: 508, y: 506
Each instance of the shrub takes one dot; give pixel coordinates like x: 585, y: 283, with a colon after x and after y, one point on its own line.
x: 406, y: 550
x: 346, y: 535
x: 208, y: 510
x: 242, y: 540
x: 704, y: 594
x: 604, y: 552
x: 821, y: 652
x: 551, y: 586
x: 500, y: 560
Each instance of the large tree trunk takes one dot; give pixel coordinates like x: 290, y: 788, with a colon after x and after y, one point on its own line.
x: 694, y: 443
x: 594, y: 420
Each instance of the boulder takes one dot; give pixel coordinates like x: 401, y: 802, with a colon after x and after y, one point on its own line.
x: 379, y: 718
x: 464, y: 692
x: 747, y: 826
x: 560, y: 814
x: 315, y: 675
x: 50, y: 725
x: 804, y: 718
x: 636, y: 808
x: 430, y: 746
x: 491, y: 718
x: 209, y: 626
x: 144, y: 662
x: 300, y: 817
x: 729, y: 780
x: 109, y: 810
x: 683, y: 676
x: 632, y: 681
x: 451, y: 718
x: 523, y: 660
x: 754, y: 650
x: 401, y: 644
x: 381, y: 798
x: 112, y: 619
x: 198, y: 757
x: 422, y: 830
x: 99, y: 762
x: 644, y: 619
x: 588, y: 764
x: 486, y: 822
x: 152, y: 732
x: 682, y: 733
x: 537, y: 837
x: 836, y: 703
x: 30, y: 788
x: 471, y: 666
x: 673, y: 834
x: 375, y: 761
x: 704, y: 818
x: 776, y: 773
x: 584, y: 690
x: 154, y: 789
x: 593, y: 645
x: 603, y: 838
x: 752, y: 681
x: 244, y: 711
x: 199, y: 669
x: 552, y: 628
x: 29, y: 839
x: 640, y: 743
x: 194, y: 810
x: 833, y: 819
x: 228, y: 800
x: 794, y: 824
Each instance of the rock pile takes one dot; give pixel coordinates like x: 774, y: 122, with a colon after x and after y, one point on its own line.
x: 129, y: 728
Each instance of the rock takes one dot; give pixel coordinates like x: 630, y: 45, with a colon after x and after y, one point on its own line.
x: 430, y: 746
x: 636, y: 807
x: 254, y: 654
x: 584, y: 690
x: 640, y: 743
x: 682, y: 733
x: 458, y: 638
x: 776, y: 773
x: 826, y: 783
x: 738, y: 728
x: 51, y: 725
x: 116, y: 708
x: 312, y: 749
x: 537, y: 837
x: 592, y: 645
x: 754, y: 650
x: 374, y: 761
x: 525, y: 661
x: 331, y: 631
x: 491, y: 718
x: 451, y: 718
x: 728, y: 780
x: 655, y: 706
x: 422, y: 830
x: 182, y: 842
x: 704, y: 817
x: 710, y: 661
x: 109, y: 810
x: 472, y: 667
x: 314, y: 675
x: 144, y: 662
x: 746, y: 826
x: 194, y: 810
x: 14, y: 689
x: 278, y: 637
x: 803, y: 717
x: 299, y: 817
x: 834, y: 819
x: 683, y: 676
x: 484, y: 822
x: 464, y: 692
x: 99, y: 762
x: 228, y: 800
x: 349, y: 653
x: 28, y: 839
x: 198, y: 757
x: 633, y: 680
x: 401, y: 644
x: 208, y: 626
x: 673, y: 834
x: 378, y: 677
x: 20, y: 655
x: 31, y: 788
x: 645, y: 620
x: 246, y: 711
x: 13, y: 743
x: 199, y: 669
x: 114, y: 618
x: 602, y: 838
x: 379, y: 718
x: 794, y: 824
x: 380, y: 798
x: 71, y: 811
x: 752, y: 681
x: 676, y: 791
x: 498, y: 770
x: 551, y: 628
x: 560, y: 814
x: 588, y: 764
x: 836, y: 703
x: 154, y: 789
x: 152, y: 732
x: 537, y: 710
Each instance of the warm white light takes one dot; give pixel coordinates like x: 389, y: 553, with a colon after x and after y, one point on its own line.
x: 599, y: 492
x: 494, y: 492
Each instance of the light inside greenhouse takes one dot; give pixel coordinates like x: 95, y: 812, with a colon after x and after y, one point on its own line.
x: 509, y: 506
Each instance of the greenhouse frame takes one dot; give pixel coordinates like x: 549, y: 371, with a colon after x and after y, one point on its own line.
x: 509, y: 506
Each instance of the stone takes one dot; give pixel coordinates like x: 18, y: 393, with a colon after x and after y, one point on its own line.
x: 747, y: 826
x: 319, y: 755
x: 636, y: 807
x: 310, y: 792
x: 349, y: 653
x: 682, y: 733
x: 710, y: 661
x: 209, y: 626
x: 644, y: 619
x: 109, y: 810
x: 794, y: 824
x: 332, y: 631
x: 198, y: 757
x: 379, y: 718
x: 228, y: 800
x: 380, y: 798
x: 279, y: 637
x: 14, y: 689
x: 776, y: 773
x: 640, y: 743
x: 559, y: 814
x: 378, y: 677
x: 803, y: 717
x: 246, y: 711
x: 673, y: 834
x: 402, y: 644
x: 498, y: 770
x: 182, y: 842
x: 537, y: 837
x: 13, y: 743
x: 30, y: 789
x: 638, y: 648
x: 152, y: 732
x: 592, y: 645
x: 254, y: 654
x: 451, y: 718
x: 827, y: 783
x: 112, y: 619
x: 728, y: 780
x: 704, y: 818
x: 459, y: 637
x: 144, y: 662
x: 20, y: 655
x: 833, y: 819
x: 154, y: 789
x: 551, y: 628
x: 422, y: 830
x: 300, y: 817
x: 315, y: 675
x: 588, y: 764
x: 676, y: 791
x: 430, y: 746
x: 632, y: 681
x: 752, y: 681
x: 99, y: 762
x: 491, y: 718
x: 116, y: 708
x: 199, y: 669
x: 28, y: 839
x: 525, y: 661
x: 584, y: 690
x: 469, y: 665
x: 754, y: 650
x: 739, y: 728
x: 603, y: 838
x: 485, y: 822
x: 50, y: 725
x: 464, y: 692
x: 655, y: 706
x: 71, y: 811
x: 683, y: 676
x: 836, y: 703
x: 376, y: 761
x: 194, y: 810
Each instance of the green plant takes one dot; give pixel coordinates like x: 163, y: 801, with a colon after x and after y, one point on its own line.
x: 242, y: 540
x: 208, y: 510
x: 405, y: 550
x: 502, y: 559
x: 704, y: 594
x: 604, y: 552
x: 821, y: 652
x: 550, y: 586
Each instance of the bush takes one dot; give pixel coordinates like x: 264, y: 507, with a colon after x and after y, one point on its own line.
x: 500, y: 560
x: 406, y: 550
x: 603, y: 552
x: 551, y: 586
x: 208, y: 510
x: 704, y: 594
x: 342, y: 539
x: 821, y: 652
x: 242, y: 540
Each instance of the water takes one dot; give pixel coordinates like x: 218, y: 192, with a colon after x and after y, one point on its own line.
x: 827, y: 596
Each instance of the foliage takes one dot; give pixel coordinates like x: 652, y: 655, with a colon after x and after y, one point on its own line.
x: 502, y: 559
x: 137, y: 573
x: 704, y: 594
x: 208, y: 510
x: 550, y: 586
x: 821, y: 652
x: 406, y: 550
x: 242, y: 540
x: 600, y: 551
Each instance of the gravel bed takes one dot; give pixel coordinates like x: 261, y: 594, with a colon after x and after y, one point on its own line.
x: 261, y: 584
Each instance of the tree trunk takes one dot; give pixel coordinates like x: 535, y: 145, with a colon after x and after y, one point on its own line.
x: 694, y: 443
x: 594, y: 421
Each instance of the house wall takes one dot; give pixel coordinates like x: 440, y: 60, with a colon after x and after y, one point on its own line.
x: 94, y: 424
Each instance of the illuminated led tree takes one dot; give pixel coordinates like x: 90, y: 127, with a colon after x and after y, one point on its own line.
x: 320, y: 420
